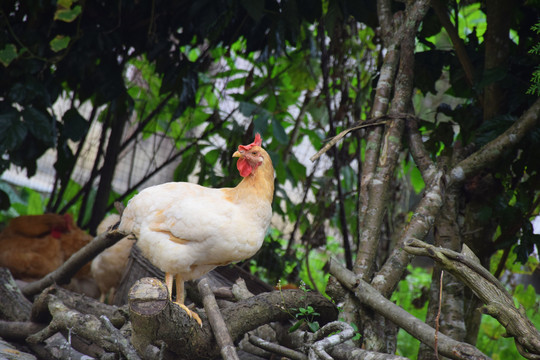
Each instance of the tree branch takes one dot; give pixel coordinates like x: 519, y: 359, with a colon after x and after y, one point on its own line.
x: 498, y: 302
x: 219, y: 327
x: 423, y: 219
x: 426, y: 334
x: 419, y: 152
x: 440, y: 10
x: 493, y: 150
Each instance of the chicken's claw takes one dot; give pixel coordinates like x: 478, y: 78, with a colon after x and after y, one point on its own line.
x: 191, y: 314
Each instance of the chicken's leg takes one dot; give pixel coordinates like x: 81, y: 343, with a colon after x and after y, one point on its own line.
x: 180, y: 295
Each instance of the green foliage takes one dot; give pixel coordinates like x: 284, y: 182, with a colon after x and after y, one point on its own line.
x: 305, y: 315
x: 24, y: 201
x: 512, y: 264
x: 8, y: 54
x: 411, y: 296
x: 534, y: 89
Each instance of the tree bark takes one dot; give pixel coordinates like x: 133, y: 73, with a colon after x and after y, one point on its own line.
x: 450, y: 301
x: 497, y: 46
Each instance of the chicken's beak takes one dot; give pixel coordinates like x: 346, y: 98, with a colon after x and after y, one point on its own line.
x: 237, y: 154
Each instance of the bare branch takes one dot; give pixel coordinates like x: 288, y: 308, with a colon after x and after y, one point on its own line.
x: 18, y: 330
x: 440, y: 10
x: 498, y: 302
x: 423, y: 219
x: 276, y: 349
x: 426, y: 334
x: 216, y: 321
x: 319, y: 348
x: 419, y: 152
x: 155, y: 318
x: 347, y: 352
x: 495, y: 148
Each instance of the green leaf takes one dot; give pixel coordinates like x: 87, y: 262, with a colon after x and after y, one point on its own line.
x: 35, y: 203
x: 314, y: 326
x: 8, y: 54
x: 248, y: 109
x: 255, y: 8
x: 12, y: 130
x: 416, y: 180
x: 279, y: 131
x: 185, y: 168
x: 212, y: 156
x: 4, y: 201
x: 260, y: 123
x: 39, y: 124
x: 59, y: 43
x: 296, y: 325
x: 525, y: 297
x: 298, y: 171
x: 75, y: 126
x: 67, y: 15
x: 66, y: 4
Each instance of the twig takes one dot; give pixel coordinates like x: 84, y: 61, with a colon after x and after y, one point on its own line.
x: 440, y: 10
x: 420, y: 224
x: 216, y: 321
x: 347, y: 352
x: 63, y: 274
x: 381, y: 120
x: 318, y: 349
x: 419, y: 152
x: 437, y: 319
x: 276, y: 349
x: 116, y: 336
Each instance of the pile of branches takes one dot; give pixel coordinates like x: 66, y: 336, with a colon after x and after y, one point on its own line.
x: 59, y: 324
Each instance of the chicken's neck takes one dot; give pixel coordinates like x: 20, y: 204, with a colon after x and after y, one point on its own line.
x: 259, y: 184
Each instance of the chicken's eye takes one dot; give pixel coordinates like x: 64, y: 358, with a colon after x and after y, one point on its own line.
x: 253, y: 153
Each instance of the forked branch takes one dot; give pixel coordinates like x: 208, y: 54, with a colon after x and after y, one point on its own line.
x: 498, y: 302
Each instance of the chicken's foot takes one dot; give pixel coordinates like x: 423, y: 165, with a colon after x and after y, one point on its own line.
x: 180, y: 295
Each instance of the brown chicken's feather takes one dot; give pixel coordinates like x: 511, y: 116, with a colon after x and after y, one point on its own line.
x: 32, y: 246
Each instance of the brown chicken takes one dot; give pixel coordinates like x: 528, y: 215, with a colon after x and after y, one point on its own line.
x: 32, y: 246
x: 108, y: 267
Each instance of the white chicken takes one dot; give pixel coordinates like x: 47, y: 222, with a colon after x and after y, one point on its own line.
x: 187, y: 230
x: 108, y: 267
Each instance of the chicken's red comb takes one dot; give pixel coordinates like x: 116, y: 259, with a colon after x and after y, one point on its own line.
x: 256, y: 142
